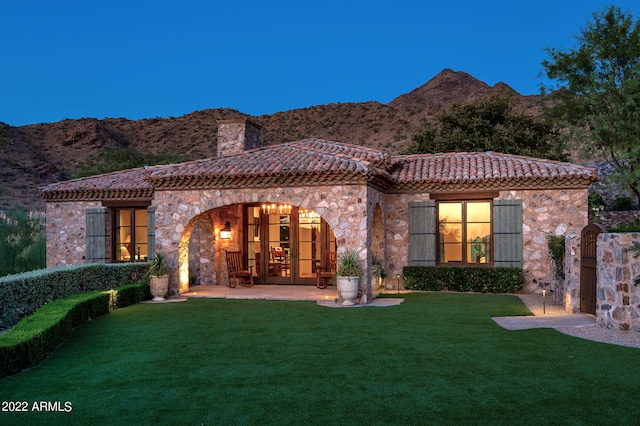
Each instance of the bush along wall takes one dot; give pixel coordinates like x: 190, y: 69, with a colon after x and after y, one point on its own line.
x: 463, y: 279
x: 36, y: 336
x: 22, y: 294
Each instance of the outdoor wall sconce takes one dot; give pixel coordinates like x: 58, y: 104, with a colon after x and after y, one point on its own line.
x: 225, y: 233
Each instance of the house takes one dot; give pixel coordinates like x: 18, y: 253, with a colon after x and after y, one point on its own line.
x: 311, y: 196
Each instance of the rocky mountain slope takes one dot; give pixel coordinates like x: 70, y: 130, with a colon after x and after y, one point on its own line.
x: 35, y: 155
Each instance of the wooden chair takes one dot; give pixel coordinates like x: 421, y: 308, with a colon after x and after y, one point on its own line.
x: 327, y: 270
x: 279, y: 261
x: 236, y: 269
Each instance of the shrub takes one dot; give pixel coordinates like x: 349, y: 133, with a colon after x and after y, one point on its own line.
x: 22, y: 294
x: 36, y: 336
x: 556, y: 252
x: 622, y: 204
x: 463, y: 279
x: 629, y: 226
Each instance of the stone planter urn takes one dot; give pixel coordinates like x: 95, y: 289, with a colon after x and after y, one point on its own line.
x: 159, y: 277
x: 348, y: 289
x: 159, y: 286
x: 348, y: 275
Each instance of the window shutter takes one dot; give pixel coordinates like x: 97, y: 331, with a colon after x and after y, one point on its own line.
x: 422, y: 233
x: 507, y: 233
x: 151, y: 232
x: 96, y: 225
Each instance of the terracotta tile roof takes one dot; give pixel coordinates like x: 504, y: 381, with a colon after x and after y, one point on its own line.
x: 486, y: 170
x: 315, y: 161
x: 122, y: 185
x: 304, y: 162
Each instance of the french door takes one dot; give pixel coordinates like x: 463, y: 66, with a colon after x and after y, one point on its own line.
x: 285, y: 244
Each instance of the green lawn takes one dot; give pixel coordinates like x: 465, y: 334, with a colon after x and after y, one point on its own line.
x: 437, y: 358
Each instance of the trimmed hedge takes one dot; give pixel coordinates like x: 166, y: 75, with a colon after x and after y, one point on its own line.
x: 463, y: 279
x: 36, y: 336
x: 22, y: 294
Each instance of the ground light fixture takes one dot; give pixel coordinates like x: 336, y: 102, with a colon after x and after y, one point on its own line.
x: 225, y: 233
x: 544, y: 301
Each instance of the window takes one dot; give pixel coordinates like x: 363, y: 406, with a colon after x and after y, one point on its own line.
x: 130, y: 234
x: 464, y: 232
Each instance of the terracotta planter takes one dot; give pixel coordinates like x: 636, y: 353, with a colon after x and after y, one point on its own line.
x: 348, y: 289
x: 159, y: 287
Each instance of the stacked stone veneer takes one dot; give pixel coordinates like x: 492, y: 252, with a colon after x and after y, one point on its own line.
x: 348, y: 210
x: 545, y: 212
x: 237, y: 136
x: 66, y: 232
x: 617, y: 295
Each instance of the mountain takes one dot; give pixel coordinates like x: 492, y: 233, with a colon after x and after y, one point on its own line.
x: 37, y: 154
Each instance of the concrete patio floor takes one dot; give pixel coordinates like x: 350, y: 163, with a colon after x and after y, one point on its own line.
x: 324, y: 297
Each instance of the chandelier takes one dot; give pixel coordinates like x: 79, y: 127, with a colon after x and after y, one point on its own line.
x: 276, y: 208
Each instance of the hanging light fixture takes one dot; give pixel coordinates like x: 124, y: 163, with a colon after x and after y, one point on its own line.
x: 225, y: 233
x: 276, y: 208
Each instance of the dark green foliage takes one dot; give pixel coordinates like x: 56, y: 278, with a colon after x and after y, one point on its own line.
x: 112, y: 159
x: 556, y: 253
x: 630, y: 226
x: 488, y: 124
x: 36, y: 336
x: 130, y: 294
x: 622, y: 204
x: 22, y: 294
x: 597, y: 95
x: 464, y: 279
x: 22, y: 241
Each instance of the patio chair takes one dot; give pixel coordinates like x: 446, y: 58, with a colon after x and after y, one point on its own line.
x: 236, y: 270
x: 327, y: 270
x: 279, y: 261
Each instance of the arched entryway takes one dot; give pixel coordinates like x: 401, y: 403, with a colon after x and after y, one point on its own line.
x: 285, y: 244
x: 588, y: 265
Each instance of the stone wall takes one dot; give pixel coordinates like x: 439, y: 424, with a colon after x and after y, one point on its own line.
x: 547, y: 212
x: 618, y: 296
x: 568, y: 293
x: 66, y: 232
x: 347, y: 210
x: 612, y: 219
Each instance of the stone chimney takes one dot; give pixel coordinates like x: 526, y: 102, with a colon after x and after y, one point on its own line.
x: 237, y: 136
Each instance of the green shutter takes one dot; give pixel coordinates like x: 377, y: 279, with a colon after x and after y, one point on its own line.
x: 151, y: 232
x: 96, y: 235
x: 422, y: 233
x: 507, y: 233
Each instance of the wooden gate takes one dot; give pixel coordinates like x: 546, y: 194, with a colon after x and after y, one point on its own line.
x: 588, y: 264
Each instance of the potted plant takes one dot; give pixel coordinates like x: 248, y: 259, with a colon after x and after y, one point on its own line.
x: 348, y: 275
x: 377, y: 271
x: 159, y: 276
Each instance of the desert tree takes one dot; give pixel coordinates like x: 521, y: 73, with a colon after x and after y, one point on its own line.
x: 489, y: 124
x: 596, y: 91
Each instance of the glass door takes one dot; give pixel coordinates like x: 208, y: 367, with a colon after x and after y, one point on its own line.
x: 285, y: 244
x: 279, y: 244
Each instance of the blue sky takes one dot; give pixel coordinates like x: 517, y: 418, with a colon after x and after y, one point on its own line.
x: 142, y: 59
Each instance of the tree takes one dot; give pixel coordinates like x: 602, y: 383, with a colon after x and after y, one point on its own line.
x: 488, y: 124
x: 597, y: 91
x: 22, y: 242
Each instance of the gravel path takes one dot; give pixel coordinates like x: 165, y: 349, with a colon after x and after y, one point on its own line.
x: 595, y: 333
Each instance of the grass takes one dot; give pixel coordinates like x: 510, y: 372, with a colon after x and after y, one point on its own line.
x: 437, y: 358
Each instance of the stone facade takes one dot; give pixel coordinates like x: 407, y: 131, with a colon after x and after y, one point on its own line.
x: 618, y: 295
x: 346, y: 209
x: 66, y: 232
x: 545, y: 212
x: 236, y: 136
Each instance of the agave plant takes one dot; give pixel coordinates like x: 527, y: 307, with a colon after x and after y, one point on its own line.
x: 348, y: 265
